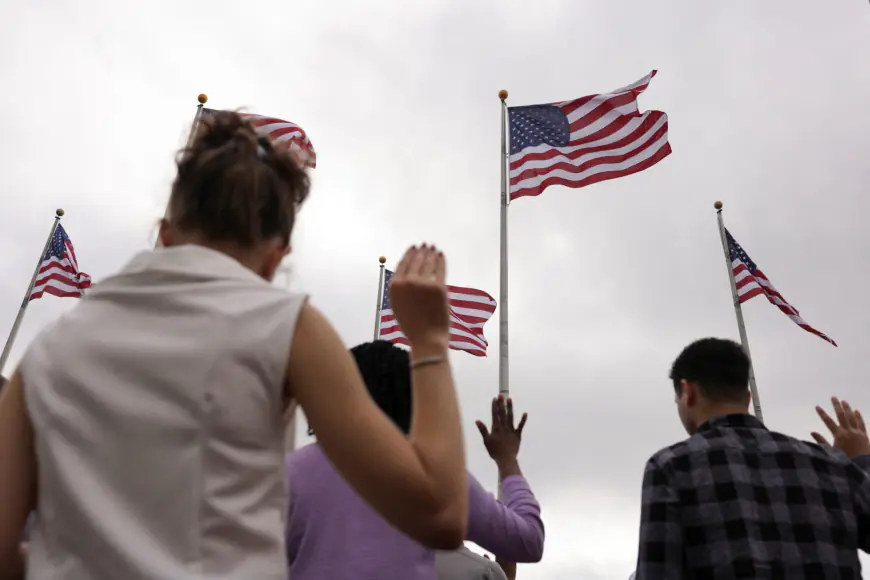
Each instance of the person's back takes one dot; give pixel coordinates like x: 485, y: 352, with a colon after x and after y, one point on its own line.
x: 163, y: 496
x: 332, y: 534
x: 145, y: 427
x: 760, y: 504
x: 736, y: 500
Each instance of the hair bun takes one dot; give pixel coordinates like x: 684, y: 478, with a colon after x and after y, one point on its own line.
x: 222, y: 128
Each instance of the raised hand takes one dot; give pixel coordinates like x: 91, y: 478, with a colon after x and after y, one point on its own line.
x: 849, y: 431
x: 502, y: 440
x: 418, y: 294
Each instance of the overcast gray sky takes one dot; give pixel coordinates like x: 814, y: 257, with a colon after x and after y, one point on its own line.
x: 767, y: 104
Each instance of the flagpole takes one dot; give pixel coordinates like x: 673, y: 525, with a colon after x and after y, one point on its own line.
x: 738, y: 310
x: 202, y: 98
x: 15, y: 325
x: 503, y: 361
x: 382, y: 260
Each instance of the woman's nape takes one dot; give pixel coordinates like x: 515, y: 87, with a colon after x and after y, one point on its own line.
x: 235, y: 193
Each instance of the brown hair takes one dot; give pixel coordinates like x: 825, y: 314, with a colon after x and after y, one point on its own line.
x: 233, y: 186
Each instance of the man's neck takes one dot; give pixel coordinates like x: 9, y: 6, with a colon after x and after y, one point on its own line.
x: 719, y: 410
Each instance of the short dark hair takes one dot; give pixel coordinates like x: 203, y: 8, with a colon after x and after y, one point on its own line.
x: 386, y: 371
x: 234, y: 186
x: 719, y: 366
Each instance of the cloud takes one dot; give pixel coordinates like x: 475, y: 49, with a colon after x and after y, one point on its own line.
x: 607, y: 283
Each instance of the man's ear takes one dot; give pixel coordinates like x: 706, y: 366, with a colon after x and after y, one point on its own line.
x: 690, y: 392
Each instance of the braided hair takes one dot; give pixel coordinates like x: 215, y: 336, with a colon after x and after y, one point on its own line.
x: 386, y: 372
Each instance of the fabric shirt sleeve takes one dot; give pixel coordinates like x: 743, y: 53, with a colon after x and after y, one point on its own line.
x: 859, y: 473
x: 660, y: 549
x: 512, y: 530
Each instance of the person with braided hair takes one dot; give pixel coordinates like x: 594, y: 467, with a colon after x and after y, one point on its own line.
x: 332, y: 533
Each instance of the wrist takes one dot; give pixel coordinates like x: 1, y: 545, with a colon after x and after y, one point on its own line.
x: 507, y: 466
x: 429, y: 347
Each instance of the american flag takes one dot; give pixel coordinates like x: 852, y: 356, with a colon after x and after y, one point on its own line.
x: 283, y: 134
x: 59, y: 270
x: 469, y: 311
x: 591, y: 139
x: 752, y: 282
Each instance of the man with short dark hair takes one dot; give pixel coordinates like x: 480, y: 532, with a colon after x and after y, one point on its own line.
x: 736, y: 500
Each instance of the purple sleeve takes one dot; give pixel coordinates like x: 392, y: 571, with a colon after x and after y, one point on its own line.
x: 513, y: 530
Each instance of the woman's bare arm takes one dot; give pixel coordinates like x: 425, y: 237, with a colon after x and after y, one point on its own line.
x: 419, y: 484
x: 18, y: 483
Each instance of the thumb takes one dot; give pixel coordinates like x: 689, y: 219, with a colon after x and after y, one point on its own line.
x: 484, y: 432
x: 820, y: 440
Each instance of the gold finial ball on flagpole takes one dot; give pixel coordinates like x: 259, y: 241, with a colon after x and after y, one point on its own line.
x: 718, y: 205
x: 202, y: 98
x: 59, y: 212
x: 382, y: 259
x: 502, y: 94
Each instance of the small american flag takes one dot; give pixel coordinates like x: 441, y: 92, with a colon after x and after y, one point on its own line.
x: 591, y: 139
x: 59, y: 270
x: 469, y: 311
x: 283, y: 134
x: 751, y: 282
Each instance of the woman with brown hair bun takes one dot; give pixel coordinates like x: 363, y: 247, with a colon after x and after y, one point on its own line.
x: 145, y: 426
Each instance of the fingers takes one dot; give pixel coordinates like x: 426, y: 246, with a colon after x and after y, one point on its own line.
x: 429, y: 265
x: 826, y: 419
x: 509, y: 419
x: 849, y: 415
x: 819, y: 439
x: 406, y: 260
x: 522, y: 424
x: 484, y: 432
x: 495, y: 418
x: 860, y: 420
x: 441, y: 268
x: 416, y: 265
x: 838, y: 409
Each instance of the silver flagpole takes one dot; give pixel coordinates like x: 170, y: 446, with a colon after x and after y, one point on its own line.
x: 15, y: 325
x: 753, y: 388
x: 203, y: 99
x: 503, y: 361
x: 383, y: 261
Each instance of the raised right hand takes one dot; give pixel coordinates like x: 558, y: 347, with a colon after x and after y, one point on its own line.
x: 418, y: 294
x: 850, y: 435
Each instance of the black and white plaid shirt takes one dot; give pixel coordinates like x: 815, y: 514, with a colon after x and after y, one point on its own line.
x: 738, y: 501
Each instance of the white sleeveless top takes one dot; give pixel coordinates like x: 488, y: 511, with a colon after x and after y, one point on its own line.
x: 157, y: 409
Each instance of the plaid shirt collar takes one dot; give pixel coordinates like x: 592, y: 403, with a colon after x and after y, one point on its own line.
x: 736, y: 421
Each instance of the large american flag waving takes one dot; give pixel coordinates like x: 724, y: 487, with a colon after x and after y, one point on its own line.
x: 584, y: 141
x: 752, y: 282
x: 469, y: 311
x: 59, y: 273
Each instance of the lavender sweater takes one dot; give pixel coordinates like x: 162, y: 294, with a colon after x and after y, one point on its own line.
x: 332, y: 533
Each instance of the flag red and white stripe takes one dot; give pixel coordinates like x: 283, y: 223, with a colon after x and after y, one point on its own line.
x: 584, y: 141
x: 469, y: 311
x: 59, y: 273
x: 283, y: 134
x: 752, y: 282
